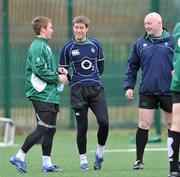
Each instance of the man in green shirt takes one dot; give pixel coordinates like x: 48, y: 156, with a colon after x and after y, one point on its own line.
x: 42, y: 80
x: 174, y: 134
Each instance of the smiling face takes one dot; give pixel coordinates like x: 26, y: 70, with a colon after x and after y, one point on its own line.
x: 80, y: 31
x: 153, y: 24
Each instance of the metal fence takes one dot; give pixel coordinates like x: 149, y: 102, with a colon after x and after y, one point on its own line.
x: 117, y: 23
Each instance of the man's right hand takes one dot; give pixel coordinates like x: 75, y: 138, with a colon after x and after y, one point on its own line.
x: 129, y: 94
x: 63, y: 78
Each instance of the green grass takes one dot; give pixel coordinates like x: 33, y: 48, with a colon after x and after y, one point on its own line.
x: 65, y: 154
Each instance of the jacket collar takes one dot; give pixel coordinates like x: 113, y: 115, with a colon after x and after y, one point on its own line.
x: 164, y: 36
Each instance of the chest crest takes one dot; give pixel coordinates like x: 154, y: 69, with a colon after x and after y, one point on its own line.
x: 75, y: 52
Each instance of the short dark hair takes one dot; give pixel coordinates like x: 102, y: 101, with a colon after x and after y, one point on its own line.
x: 39, y: 22
x: 81, y: 19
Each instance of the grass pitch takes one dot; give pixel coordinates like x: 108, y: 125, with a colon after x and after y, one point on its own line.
x: 118, y: 159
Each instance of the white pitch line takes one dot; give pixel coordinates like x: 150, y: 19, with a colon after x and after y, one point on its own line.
x: 5, y: 145
x: 133, y: 150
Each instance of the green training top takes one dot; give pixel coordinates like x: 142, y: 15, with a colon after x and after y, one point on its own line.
x: 175, y: 84
x: 41, y: 76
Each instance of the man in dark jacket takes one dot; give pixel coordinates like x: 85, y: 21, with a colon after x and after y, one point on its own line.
x: 153, y: 54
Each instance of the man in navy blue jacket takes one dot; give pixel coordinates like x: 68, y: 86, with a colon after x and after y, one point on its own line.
x: 153, y: 54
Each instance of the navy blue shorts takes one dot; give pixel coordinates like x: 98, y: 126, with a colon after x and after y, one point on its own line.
x: 82, y: 96
x: 40, y: 106
x: 156, y: 101
x: 46, y: 113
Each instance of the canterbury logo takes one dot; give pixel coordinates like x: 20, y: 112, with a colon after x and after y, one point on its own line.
x: 75, y: 52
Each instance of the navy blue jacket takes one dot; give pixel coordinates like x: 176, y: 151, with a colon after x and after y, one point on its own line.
x: 155, y: 58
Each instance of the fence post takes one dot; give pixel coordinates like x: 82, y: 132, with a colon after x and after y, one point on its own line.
x: 157, y: 121
x: 154, y: 6
x: 69, y: 17
x: 70, y: 33
x: 6, y: 60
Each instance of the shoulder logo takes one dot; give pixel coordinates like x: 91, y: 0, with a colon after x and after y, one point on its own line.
x: 75, y: 52
x: 145, y: 45
x: 49, y: 49
x: 93, y: 50
x: 166, y: 43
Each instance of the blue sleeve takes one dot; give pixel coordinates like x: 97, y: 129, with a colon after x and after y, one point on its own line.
x: 100, y: 58
x: 100, y: 53
x: 133, y: 66
x: 100, y: 65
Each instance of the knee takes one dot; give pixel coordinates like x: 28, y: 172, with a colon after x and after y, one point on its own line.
x: 168, y: 123
x: 104, y: 123
x: 82, y: 130
x: 52, y: 131
x: 144, y: 125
